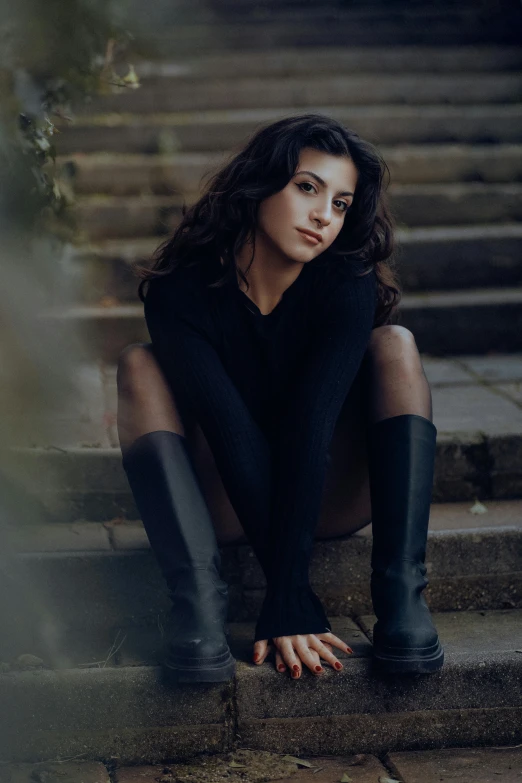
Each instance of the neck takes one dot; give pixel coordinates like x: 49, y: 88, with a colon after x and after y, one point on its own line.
x: 269, y: 276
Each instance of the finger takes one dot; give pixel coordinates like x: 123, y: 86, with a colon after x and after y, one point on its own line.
x: 279, y: 663
x: 285, y: 647
x: 326, y: 654
x: 261, y: 650
x: 303, y: 646
x: 335, y: 641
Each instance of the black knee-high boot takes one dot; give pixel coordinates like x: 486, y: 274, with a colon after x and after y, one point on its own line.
x: 182, y: 536
x: 401, y: 461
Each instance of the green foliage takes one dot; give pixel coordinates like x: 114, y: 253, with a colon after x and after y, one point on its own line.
x: 52, y: 54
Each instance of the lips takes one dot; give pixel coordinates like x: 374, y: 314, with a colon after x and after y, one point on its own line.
x: 311, y: 235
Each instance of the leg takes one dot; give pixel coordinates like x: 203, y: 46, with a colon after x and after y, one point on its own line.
x: 398, y: 384
x: 401, y: 449
x: 145, y: 404
x: 177, y: 522
x: 391, y: 381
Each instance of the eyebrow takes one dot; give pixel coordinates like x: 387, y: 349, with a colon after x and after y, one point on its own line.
x: 323, y: 183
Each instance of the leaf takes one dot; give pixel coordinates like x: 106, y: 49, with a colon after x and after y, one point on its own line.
x: 236, y: 765
x: 295, y: 760
x: 386, y: 779
x: 478, y: 508
x: 131, y: 79
x: 346, y: 778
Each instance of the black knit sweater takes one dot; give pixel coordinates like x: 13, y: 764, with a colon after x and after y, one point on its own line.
x: 267, y: 391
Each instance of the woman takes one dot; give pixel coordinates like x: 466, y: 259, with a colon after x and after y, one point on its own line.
x: 277, y: 403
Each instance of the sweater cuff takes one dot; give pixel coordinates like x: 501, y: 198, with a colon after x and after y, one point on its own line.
x: 288, y: 612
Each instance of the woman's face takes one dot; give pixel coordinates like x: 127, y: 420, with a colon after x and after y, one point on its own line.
x: 315, y: 199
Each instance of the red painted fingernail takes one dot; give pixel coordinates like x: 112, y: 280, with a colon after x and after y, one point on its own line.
x: 256, y: 657
x: 319, y: 669
x: 349, y: 649
x: 338, y: 665
x: 295, y: 668
x: 281, y: 668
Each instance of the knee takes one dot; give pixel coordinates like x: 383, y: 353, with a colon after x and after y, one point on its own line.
x: 133, y: 362
x: 393, y: 343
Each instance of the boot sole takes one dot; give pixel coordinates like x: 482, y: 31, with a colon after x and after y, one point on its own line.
x: 221, y: 669
x: 422, y: 660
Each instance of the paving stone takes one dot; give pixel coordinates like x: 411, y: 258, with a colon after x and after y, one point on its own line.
x: 468, y: 633
x: 47, y: 772
x: 502, y: 367
x: 476, y: 409
x: 512, y: 390
x: 467, y: 765
x: 260, y: 766
x: 441, y: 372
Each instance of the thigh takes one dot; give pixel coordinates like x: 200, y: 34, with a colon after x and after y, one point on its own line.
x: 346, y: 503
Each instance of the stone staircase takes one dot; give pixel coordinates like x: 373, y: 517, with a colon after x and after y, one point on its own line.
x: 85, y: 597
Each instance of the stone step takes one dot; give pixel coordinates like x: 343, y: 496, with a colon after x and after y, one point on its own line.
x: 474, y: 321
x: 332, y: 60
x: 361, y: 7
x: 333, y: 89
x: 211, y: 131
x: 100, y: 575
x: 113, y: 704
x: 443, y: 258
x: 408, y: 766
x: 186, y: 15
x: 103, y: 216
x: 75, y: 470
x: 125, y: 175
x: 424, y: 26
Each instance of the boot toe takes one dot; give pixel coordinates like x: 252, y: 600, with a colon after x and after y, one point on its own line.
x: 199, y: 660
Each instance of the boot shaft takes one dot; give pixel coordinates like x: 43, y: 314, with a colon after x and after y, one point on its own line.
x: 401, y: 461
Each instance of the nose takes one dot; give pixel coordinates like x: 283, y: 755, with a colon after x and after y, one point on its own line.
x: 323, y: 214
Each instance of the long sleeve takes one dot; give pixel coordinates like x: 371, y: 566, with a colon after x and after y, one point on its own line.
x: 180, y: 331
x: 340, y: 338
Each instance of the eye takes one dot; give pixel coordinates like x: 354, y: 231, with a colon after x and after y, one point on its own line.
x: 302, y: 185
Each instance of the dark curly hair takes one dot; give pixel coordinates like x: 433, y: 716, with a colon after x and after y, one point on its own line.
x: 224, y: 218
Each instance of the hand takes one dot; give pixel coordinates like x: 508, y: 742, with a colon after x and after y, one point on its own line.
x: 294, y: 651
